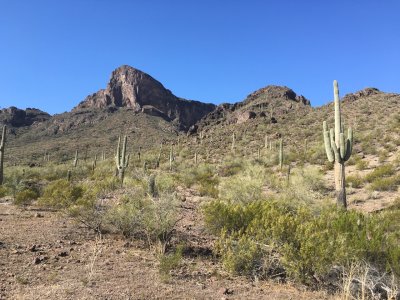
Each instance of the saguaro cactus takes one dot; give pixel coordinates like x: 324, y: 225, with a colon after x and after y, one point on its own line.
x: 281, y: 154
x: 171, y: 157
x: 233, y: 142
x: 338, y: 149
x: 69, y: 175
x: 94, y: 164
x: 121, y: 159
x: 159, y: 156
x: 152, y: 186
x: 3, y: 141
x: 76, y: 159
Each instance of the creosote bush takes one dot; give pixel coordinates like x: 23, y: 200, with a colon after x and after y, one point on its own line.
x: 380, y: 172
x: 25, y: 197
x: 308, y: 243
x: 202, y: 176
x: 355, y: 181
x: 142, y: 217
x: 60, y: 194
x: 385, y: 184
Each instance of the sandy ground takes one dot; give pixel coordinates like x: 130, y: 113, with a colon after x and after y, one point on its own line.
x: 44, y: 255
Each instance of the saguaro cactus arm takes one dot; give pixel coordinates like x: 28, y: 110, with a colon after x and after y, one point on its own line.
x: 121, y: 160
x: 327, y: 142
x: 349, y: 144
x: 3, y: 138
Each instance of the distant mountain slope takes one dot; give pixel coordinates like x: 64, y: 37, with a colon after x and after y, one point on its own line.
x: 267, y: 105
x: 133, y: 103
x: 374, y: 116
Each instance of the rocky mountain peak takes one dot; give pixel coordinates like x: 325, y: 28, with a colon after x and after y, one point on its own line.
x: 132, y: 88
x: 128, y: 87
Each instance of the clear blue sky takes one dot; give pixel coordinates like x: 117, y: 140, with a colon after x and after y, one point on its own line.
x: 54, y: 53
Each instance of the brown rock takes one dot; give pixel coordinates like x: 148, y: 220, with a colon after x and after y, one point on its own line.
x: 245, y: 116
x: 16, y: 117
x: 132, y: 88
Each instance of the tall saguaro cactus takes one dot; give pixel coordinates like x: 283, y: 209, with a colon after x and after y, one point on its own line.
x: 171, y: 157
x: 3, y: 141
x: 159, y: 156
x: 76, y: 159
x: 121, y: 159
x: 338, y: 148
x: 233, y: 142
x: 281, y: 154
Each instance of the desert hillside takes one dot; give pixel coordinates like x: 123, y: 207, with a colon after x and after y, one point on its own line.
x: 139, y: 194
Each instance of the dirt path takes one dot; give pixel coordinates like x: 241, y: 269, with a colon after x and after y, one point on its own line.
x: 43, y: 255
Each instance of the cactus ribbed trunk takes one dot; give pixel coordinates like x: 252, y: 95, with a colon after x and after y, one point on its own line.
x: 171, y: 157
x: 76, y: 159
x: 233, y: 142
x: 341, y: 192
x: 3, y: 141
x: 280, y: 154
x: 121, y: 159
x: 337, y: 166
x: 159, y: 156
x: 338, y: 149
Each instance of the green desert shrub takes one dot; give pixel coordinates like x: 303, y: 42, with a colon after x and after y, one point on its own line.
x: 383, y: 155
x: 242, y: 255
x: 306, y: 185
x: 3, y: 191
x: 170, y: 262
x: 307, y: 243
x: 385, y: 183
x: 202, y: 176
x: 355, y: 181
x: 380, y: 172
x: 102, y: 187
x: 240, y: 189
x: 361, y: 164
x: 143, y: 217
x: 165, y: 182
x: 87, y: 210
x: 25, y: 197
x: 60, y: 194
x: 230, y: 168
x: 127, y: 216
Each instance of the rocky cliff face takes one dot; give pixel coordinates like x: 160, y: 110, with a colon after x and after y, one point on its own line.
x: 16, y: 117
x: 132, y: 88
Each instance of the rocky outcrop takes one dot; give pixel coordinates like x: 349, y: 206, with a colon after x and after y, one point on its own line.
x: 361, y: 94
x: 269, y: 103
x: 132, y: 88
x: 276, y: 92
x: 16, y: 117
x: 245, y: 116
